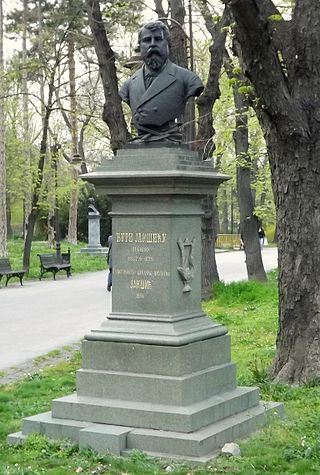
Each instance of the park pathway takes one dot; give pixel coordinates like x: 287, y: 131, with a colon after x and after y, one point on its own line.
x: 43, y: 316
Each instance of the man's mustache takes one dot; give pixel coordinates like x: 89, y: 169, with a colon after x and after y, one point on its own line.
x: 153, y: 50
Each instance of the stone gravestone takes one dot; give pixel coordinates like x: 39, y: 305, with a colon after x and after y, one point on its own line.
x: 94, y: 244
x: 156, y: 375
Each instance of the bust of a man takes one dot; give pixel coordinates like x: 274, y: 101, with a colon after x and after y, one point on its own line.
x: 92, y: 206
x: 157, y: 93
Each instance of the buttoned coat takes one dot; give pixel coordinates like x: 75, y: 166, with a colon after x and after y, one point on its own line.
x: 165, y: 98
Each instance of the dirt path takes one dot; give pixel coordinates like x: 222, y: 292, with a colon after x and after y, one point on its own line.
x: 31, y: 367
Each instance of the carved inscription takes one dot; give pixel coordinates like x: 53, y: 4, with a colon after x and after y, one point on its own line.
x: 141, y: 262
x: 151, y: 238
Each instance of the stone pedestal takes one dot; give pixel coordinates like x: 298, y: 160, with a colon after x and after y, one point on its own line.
x: 157, y: 374
x: 94, y: 244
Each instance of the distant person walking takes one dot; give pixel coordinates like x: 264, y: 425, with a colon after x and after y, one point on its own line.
x: 262, y: 236
x: 109, y: 261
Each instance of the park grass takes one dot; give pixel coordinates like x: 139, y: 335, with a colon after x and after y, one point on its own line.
x: 288, y: 446
x: 80, y: 262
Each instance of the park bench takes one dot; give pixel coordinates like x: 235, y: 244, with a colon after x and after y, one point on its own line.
x: 49, y: 263
x: 6, y: 270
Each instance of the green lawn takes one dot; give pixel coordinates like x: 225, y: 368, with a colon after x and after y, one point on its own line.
x: 290, y: 446
x: 79, y: 262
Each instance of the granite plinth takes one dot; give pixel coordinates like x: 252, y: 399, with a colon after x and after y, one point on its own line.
x: 157, y: 374
x: 199, y: 446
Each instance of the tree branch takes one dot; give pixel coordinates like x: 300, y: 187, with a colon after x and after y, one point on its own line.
x: 112, y: 113
x: 259, y: 57
x: 211, y: 92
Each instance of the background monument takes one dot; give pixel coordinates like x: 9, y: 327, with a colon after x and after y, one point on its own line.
x: 94, y: 244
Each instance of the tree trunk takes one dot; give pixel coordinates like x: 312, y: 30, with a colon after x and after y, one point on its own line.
x: 50, y: 228
x: 178, y: 49
x: 73, y: 207
x: 3, y: 186
x: 8, y: 209
x: 112, y: 112
x: 211, y: 93
x: 179, y: 55
x: 288, y: 109
x: 248, y: 222
x: 159, y: 9
x: 298, y: 349
x: 209, y: 271
x: 224, y: 218
x: 25, y: 118
x: 32, y: 218
x: 205, y: 146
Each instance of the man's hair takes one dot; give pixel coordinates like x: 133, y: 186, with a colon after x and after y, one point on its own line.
x: 156, y: 25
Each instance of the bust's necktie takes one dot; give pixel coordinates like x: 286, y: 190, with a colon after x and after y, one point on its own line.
x: 148, y: 80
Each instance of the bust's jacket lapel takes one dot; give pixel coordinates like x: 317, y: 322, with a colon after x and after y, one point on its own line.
x: 168, y: 76
x: 138, y: 84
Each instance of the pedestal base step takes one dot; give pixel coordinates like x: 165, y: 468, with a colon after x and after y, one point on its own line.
x: 156, y: 416
x: 199, y: 446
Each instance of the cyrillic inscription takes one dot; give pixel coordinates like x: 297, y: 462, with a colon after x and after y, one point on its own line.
x: 152, y: 238
x: 140, y: 254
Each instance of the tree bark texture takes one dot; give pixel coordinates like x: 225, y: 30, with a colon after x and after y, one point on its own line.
x: 179, y: 55
x: 205, y: 147
x: 286, y: 77
x: 178, y: 49
x: 159, y: 9
x: 209, y: 271
x: 73, y: 207
x: 224, y: 212
x: 112, y: 112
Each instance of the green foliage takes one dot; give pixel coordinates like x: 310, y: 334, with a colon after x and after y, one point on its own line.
x: 276, y: 17
x: 288, y: 446
x: 126, y: 13
x: 245, y: 292
x: 226, y: 161
x: 246, y: 89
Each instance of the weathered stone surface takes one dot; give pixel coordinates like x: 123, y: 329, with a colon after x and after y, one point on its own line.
x: 231, y: 449
x: 157, y: 374
x: 199, y: 445
x: 16, y: 438
x: 157, y: 389
x: 204, y: 441
x: 161, y: 360
x: 104, y: 438
x: 56, y: 429
x: 156, y: 416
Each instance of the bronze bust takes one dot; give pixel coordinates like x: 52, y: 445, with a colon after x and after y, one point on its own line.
x: 157, y: 93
